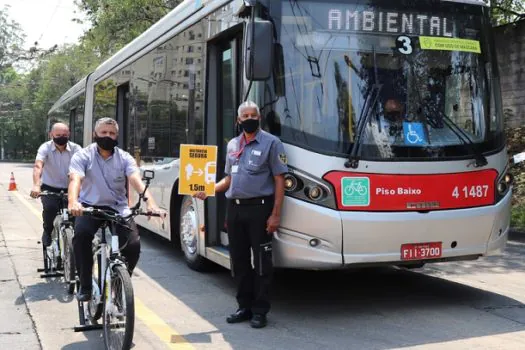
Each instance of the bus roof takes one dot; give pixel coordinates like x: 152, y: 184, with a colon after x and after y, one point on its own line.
x: 473, y: 2
x: 73, y: 92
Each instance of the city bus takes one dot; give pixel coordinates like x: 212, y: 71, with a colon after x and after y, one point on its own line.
x: 389, y: 111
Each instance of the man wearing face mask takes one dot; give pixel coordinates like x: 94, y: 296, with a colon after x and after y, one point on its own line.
x: 50, y: 173
x: 99, y: 174
x: 254, y: 186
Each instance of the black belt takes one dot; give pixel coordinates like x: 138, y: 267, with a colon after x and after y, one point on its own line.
x: 52, y: 189
x: 252, y: 201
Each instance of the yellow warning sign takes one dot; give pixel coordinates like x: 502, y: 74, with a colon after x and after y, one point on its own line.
x: 198, y: 169
x: 449, y: 44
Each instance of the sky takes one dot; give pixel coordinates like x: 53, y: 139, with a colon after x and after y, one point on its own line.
x: 46, y: 21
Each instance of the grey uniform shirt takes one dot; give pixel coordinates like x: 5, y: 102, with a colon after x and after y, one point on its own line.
x: 56, y: 164
x: 252, y: 172
x: 104, y: 180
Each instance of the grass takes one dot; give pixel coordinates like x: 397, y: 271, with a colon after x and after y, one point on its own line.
x: 517, y: 218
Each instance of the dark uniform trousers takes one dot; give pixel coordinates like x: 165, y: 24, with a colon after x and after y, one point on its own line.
x: 247, y: 231
x: 85, y: 229
x: 50, y: 206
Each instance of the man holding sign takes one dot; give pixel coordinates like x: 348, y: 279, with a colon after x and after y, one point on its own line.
x: 254, y: 186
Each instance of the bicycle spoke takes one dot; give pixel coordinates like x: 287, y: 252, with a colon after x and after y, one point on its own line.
x: 116, y: 316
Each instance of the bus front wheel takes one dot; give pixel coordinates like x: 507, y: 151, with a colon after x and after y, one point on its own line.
x: 189, y: 235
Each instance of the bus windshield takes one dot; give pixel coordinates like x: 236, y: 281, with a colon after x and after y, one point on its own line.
x: 425, y: 67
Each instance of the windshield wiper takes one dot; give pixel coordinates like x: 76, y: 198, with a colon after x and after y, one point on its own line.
x: 370, y: 102
x: 479, y: 158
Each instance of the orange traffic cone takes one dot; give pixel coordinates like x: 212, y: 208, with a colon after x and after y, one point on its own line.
x: 12, y: 183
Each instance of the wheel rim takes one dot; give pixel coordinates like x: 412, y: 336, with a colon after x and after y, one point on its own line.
x: 188, y: 229
x: 115, y: 314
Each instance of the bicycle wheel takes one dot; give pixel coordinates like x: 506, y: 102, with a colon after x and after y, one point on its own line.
x: 95, y: 305
x: 119, y: 312
x: 68, y: 262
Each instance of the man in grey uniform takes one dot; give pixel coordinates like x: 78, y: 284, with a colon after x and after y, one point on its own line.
x: 254, y: 185
x: 99, y: 174
x: 50, y: 173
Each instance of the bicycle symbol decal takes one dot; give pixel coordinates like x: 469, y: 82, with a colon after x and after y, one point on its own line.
x: 355, y: 191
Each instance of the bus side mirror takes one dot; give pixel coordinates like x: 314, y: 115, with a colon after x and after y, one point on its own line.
x: 279, y: 80
x: 258, y: 53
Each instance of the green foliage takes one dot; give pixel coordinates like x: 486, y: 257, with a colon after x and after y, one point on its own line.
x: 114, y: 23
x: 11, y: 40
x: 506, y: 11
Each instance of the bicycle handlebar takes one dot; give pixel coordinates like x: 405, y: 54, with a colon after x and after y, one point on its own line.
x: 53, y: 194
x: 114, y: 216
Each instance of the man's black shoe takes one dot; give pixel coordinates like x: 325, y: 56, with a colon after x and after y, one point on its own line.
x: 46, y: 239
x: 258, y: 321
x: 240, y: 315
x: 84, y: 294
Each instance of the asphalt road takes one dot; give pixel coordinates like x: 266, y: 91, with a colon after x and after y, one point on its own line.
x: 466, y: 305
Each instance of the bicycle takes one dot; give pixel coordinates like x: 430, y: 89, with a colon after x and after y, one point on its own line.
x: 59, y: 254
x: 355, y: 187
x: 112, y: 291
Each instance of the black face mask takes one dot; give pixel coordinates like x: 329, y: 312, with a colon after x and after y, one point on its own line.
x: 106, y: 143
x: 250, y: 125
x: 61, y: 141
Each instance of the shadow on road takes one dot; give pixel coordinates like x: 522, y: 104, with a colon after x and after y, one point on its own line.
x: 373, y: 308
x: 93, y: 341
x: 51, y: 288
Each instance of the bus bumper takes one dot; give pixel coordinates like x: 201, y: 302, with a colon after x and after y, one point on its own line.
x: 349, y: 239
x: 468, y: 233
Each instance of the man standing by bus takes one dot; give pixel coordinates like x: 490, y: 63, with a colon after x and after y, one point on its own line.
x: 99, y: 174
x: 50, y: 173
x: 254, y: 186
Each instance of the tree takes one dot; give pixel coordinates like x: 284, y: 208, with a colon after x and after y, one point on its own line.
x: 506, y: 11
x: 114, y: 23
x: 11, y: 40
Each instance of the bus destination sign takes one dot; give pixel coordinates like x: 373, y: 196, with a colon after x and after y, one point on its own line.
x: 390, y: 22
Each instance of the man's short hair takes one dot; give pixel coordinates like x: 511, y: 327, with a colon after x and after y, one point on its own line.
x: 106, y: 121
x: 248, y: 104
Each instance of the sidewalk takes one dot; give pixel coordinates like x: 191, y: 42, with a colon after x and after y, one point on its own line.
x: 17, y: 330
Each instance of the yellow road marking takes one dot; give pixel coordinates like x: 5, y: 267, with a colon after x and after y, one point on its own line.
x: 160, y: 328
x: 157, y: 325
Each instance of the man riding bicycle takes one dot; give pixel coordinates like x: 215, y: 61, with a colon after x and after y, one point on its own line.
x: 99, y: 174
x: 51, y: 169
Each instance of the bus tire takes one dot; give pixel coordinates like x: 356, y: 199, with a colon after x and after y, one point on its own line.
x: 189, y: 236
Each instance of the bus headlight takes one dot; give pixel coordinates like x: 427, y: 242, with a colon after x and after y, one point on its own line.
x: 503, y: 184
x: 291, y: 183
x: 314, y: 193
x: 305, y: 187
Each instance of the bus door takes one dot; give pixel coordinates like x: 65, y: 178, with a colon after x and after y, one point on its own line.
x: 225, y: 95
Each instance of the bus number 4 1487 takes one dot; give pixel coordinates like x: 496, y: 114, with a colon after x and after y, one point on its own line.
x: 479, y: 191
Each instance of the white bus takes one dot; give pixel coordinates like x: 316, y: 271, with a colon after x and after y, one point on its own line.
x: 390, y: 113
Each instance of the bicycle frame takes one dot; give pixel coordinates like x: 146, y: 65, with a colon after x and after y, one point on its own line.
x: 107, y: 261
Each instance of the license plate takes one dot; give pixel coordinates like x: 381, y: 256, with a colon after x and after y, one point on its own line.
x: 419, y: 251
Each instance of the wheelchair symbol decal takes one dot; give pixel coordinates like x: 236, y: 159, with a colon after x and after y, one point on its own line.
x: 414, y: 134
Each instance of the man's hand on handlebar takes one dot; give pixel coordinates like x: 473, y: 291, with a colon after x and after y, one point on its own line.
x: 75, y: 208
x: 153, y: 209
x: 35, y: 191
